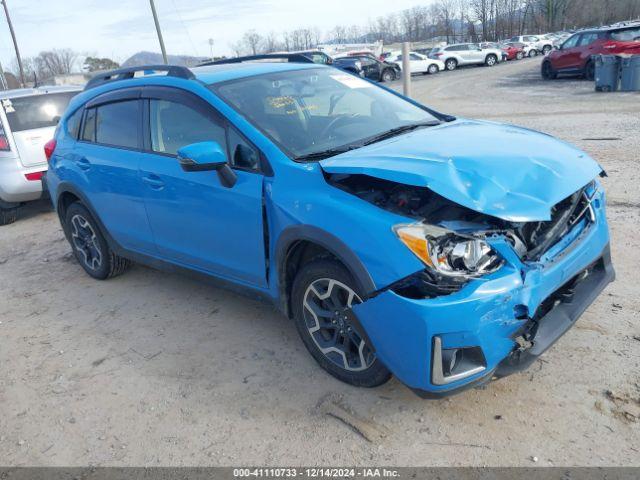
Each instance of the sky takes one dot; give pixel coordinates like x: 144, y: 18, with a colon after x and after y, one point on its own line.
x: 119, y: 28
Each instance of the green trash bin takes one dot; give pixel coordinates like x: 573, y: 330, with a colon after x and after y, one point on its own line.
x: 630, y: 74
x: 607, y: 73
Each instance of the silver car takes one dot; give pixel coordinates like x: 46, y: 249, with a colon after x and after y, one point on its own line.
x: 461, y: 54
x: 28, y: 119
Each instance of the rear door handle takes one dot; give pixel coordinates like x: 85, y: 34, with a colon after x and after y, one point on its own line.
x: 83, y: 164
x: 153, y: 181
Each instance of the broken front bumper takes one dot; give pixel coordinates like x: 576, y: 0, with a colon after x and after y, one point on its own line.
x: 500, y: 323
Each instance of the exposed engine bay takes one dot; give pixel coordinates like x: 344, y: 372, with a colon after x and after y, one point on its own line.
x: 529, y: 239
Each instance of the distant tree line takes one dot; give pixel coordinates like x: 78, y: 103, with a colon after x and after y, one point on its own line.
x: 452, y: 20
x: 54, y: 62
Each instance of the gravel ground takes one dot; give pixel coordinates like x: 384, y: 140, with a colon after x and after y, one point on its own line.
x: 157, y: 369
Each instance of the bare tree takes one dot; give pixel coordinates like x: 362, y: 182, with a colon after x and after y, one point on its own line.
x: 55, y: 62
x: 252, y: 41
x: 271, y: 43
x: 444, y: 14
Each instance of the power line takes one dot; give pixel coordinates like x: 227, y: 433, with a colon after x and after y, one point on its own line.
x: 193, y: 46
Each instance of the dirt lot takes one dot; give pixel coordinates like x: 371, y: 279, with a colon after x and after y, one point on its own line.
x: 156, y: 369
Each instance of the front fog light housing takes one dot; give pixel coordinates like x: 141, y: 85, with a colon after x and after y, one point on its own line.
x: 447, y: 252
x: 453, y: 364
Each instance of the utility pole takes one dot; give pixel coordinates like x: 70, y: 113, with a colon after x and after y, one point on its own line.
x: 15, y: 42
x: 406, y: 69
x: 155, y: 20
x: 211, y: 47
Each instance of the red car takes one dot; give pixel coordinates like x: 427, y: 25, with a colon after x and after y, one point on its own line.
x: 514, y: 50
x: 573, y: 57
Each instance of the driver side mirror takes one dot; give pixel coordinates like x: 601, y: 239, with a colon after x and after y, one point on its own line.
x: 206, y: 156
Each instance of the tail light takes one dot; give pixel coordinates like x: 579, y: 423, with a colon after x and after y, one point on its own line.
x: 34, y: 176
x: 438, y: 54
x: 4, y: 143
x: 49, y: 147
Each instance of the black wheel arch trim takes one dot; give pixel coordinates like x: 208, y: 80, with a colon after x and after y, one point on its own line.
x: 296, y: 233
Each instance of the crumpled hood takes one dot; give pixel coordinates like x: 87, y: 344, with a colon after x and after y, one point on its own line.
x: 508, y: 172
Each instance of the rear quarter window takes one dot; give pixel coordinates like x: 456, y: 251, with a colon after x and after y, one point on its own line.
x: 73, y: 124
x: 36, y: 111
x: 627, y: 35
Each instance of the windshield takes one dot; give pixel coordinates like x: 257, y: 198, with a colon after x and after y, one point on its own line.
x: 37, y: 111
x: 307, y: 112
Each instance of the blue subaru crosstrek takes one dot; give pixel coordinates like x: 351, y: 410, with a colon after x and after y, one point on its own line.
x: 399, y: 240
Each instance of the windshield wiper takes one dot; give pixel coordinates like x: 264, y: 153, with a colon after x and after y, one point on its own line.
x: 321, y: 155
x: 398, y: 131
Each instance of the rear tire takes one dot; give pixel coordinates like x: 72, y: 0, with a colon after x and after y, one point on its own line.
x: 589, y: 72
x: 546, y: 49
x: 519, y: 55
x: 8, y: 215
x: 451, y: 64
x: 491, y: 60
x: 89, y: 245
x: 322, y: 294
x: 433, y: 68
x: 533, y: 53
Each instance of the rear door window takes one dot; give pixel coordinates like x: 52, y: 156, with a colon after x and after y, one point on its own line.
x: 117, y: 124
x: 36, y: 111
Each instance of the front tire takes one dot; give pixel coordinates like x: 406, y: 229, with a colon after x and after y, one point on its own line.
x: 388, y: 76
x: 548, y: 73
x: 546, y: 49
x: 491, y: 60
x: 322, y: 296
x: 89, y: 245
x: 533, y: 53
x: 433, y: 68
x: 519, y: 55
x: 8, y: 215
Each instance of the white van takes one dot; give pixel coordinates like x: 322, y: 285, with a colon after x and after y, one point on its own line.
x: 28, y: 120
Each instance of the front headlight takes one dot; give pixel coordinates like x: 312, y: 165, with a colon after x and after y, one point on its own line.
x: 447, y: 252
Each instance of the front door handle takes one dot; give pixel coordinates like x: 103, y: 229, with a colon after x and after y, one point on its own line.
x: 153, y: 181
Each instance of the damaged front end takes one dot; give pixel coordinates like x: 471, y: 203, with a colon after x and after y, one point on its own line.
x: 494, y: 293
x: 452, y: 240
